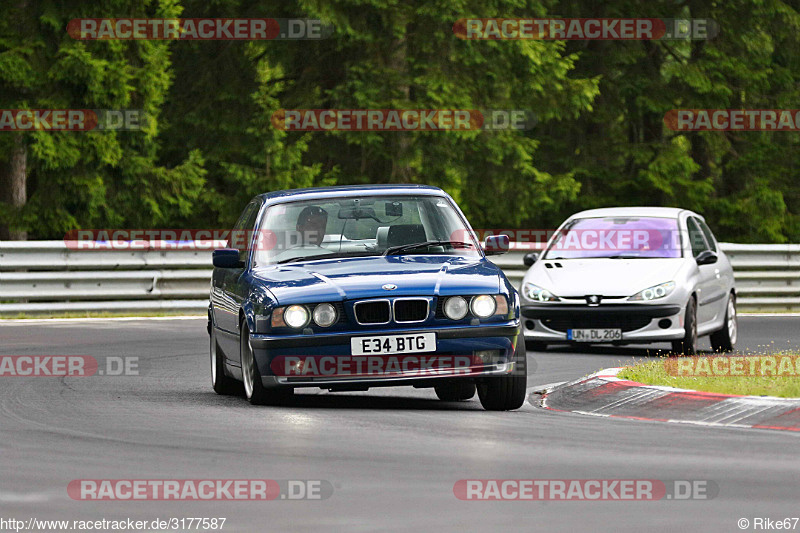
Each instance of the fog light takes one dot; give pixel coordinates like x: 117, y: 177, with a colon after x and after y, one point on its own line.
x: 530, y: 324
x: 665, y: 323
x: 487, y: 357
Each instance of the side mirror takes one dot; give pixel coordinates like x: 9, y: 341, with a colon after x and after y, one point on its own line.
x: 496, y: 244
x: 706, y: 257
x: 226, y: 258
x: 530, y: 259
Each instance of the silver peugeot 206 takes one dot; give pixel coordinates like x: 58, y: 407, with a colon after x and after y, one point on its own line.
x: 630, y: 275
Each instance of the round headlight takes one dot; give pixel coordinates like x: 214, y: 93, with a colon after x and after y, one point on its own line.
x: 455, y: 308
x: 296, y: 316
x: 324, y: 315
x: 483, y: 306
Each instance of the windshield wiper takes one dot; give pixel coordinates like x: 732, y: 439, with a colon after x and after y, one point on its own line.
x: 333, y: 255
x: 405, y: 247
x: 307, y: 258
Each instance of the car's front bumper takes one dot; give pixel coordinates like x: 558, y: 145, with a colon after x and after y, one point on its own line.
x: 638, y: 322
x: 458, y: 341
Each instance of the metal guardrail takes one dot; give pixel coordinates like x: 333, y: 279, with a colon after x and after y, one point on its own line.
x: 48, y: 277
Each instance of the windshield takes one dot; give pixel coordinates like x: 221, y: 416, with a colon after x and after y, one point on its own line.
x: 362, y: 226
x: 617, y: 238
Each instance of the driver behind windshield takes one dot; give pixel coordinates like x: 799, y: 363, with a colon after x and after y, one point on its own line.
x: 311, y: 224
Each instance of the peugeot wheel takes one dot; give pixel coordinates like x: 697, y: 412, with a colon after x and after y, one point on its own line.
x: 724, y: 340
x: 688, y: 344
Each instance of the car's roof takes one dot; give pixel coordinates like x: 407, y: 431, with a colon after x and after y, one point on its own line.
x: 667, y: 212
x: 313, y: 193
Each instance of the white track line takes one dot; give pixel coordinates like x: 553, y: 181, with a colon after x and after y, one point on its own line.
x: 99, y: 319
x: 769, y: 314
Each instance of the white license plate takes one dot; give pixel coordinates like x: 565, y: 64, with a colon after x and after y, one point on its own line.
x: 388, y: 344
x: 594, y: 335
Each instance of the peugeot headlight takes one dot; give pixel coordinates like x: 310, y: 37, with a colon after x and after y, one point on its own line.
x: 296, y: 316
x: 538, y: 294
x: 653, y: 293
x: 483, y: 306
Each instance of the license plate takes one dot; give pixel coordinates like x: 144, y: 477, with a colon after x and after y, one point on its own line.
x: 594, y: 335
x: 389, y: 344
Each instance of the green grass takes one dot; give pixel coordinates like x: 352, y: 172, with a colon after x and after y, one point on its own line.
x: 786, y: 385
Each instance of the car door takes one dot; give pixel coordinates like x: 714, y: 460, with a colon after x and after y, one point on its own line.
x: 229, y: 289
x: 723, y: 272
x: 707, y: 285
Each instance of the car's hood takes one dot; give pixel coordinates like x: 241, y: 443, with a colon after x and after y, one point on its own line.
x: 364, y: 277
x: 605, y: 277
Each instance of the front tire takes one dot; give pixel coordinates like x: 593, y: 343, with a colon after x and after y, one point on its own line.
x: 504, y: 393
x: 455, y: 391
x: 688, y: 344
x: 724, y: 340
x: 253, y: 388
x: 222, y: 384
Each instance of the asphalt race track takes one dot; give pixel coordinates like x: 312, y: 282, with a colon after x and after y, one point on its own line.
x: 392, y: 455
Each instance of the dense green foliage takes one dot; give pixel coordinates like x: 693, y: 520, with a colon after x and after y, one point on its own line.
x: 601, y: 139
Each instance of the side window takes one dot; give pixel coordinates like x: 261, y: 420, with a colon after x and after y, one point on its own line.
x: 695, y: 236
x: 243, y: 230
x: 712, y: 242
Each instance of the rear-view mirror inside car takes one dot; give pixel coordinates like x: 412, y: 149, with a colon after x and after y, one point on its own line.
x: 355, y: 213
x: 394, y: 209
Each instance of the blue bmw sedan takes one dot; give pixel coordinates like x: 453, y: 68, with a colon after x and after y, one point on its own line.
x: 347, y: 288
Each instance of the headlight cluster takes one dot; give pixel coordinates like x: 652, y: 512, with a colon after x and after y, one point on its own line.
x: 653, y: 293
x: 297, y: 316
x: 455, y: 308
x: 481, y: 306
x: 538, y: 294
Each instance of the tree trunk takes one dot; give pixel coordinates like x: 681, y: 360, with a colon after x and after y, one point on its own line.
x: 401, y: 141
x: 13, y: 180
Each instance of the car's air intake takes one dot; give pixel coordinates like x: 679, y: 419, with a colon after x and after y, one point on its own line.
x: 372, y: 312
x: 578, y: 320
x: 410, y: 310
